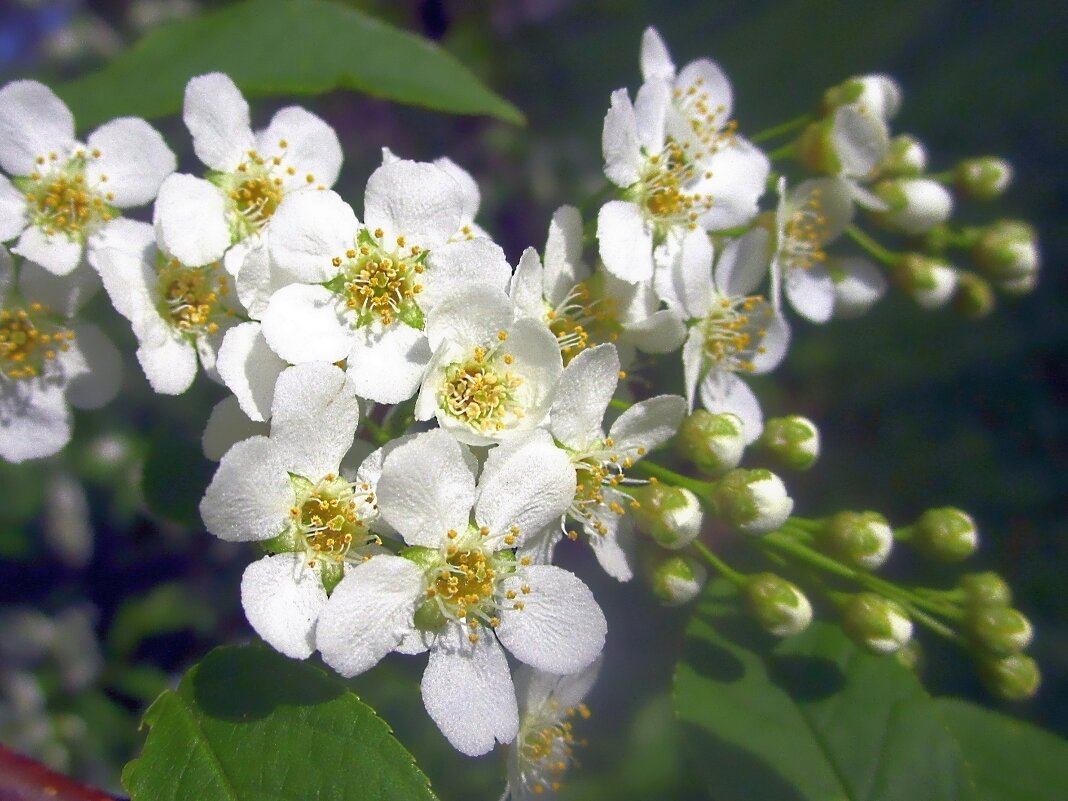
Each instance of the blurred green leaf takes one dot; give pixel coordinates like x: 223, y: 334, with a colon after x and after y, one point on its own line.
x: 14, y: 542
x: 175, y: 476
x: 247, y: 723
x: 281, y: 47
x: 166, y: 608
x: 1011, y: 760
x: 810, y: 718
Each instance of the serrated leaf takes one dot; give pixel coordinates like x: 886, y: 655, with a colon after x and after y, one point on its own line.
x: 809, y: 718
x: 247, y: 724
x: 281, y: 47
x: 1011, y: 760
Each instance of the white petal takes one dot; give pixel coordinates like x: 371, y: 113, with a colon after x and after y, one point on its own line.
x: 33, y: 122
x: 541, y: 546
x: 648, y: 424
x: 710, y: 82
x: 725, y: 392
x: 563, y: 254
x: 661, y: 332
x: 470, y: 316
x: 369, y: 613
x: 650, y: 111
x: 190, y: 219
x: 776, y: 340
x: 560, y: 628
x: 528, y: 486
x: 282, y: 598
x: 63, y: 294
x: 312, y: 147
x: 655, y: 59
x: 170, y: 365
x: 258, y: 277
x: 217, y: 115
x: 103, y: 377
x: 537, y: 689
x: 468, y: 692
x: 124, y: 255
x: 133, y: 159
x: 625, y: 241
x: 859, y: 284
x: 7, y: 274
x: 685, y: 282
x: 860, y: 141
x: 693, y: 362
x: 619, y: 141
x: 469, y: 262
x: 227, y: 425
x: 35, y: 420
x: 811, y: 293
x: 413, y: 199
x: 526, y: 285
x: 614, y: 549
x: 833, y: 199
x: 586, y: 386
x: 472, y: 198
x: 313, y: 418
x: 739, y: 176
x: 424, y: 510
x: 249, y: 368
x: 57, y: 253
x: 302, y: 323
x: 743, y: 264
x: 250, y: 495
x: 308, y: 230
x: 13, y: 212
x: 388, y: 367
x: 536, y: 356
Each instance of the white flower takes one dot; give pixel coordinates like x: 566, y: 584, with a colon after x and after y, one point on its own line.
x: 179, y: 313
x: 287, y: 488
x: 858, y: 285
x: 544, y: 749
x: 64, y: 192
x: 469, y: 192
x: 249, y: 174
x: 364, y: 290
x: 732, y: 330
x: 47, y: 360
x: 491, y: 376
x: 460, y: 590
x: 809, y: 217
x: 586, y: 388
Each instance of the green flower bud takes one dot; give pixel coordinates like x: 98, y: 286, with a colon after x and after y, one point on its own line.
x: 974, y: 297
x: 916, y: 204
x: 1013, y: 678
x: 1007, y: 254
x: 928, y: 281
x: 679, y: 580
x: 672, y: 516
x: 753, y: 501
x: 983, y: 178
x: 1001, y: 630
x: 777, y: 604
x: 859, y: 539
x: 946, y: 535
x: 985, y: 589
x: 815, y: 148
x: 907, y: 157
x: 875, y: 93
x: 794, y: 440
x: 713, y: 442
x: 911, y: 656
x: 876, y: 623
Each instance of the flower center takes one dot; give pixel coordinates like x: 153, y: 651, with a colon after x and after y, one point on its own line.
x: 707, y: 122
x: 579, y: 319
x: 481, y: 391
x: 599, y: 471
x: 29, y: 339
x: 256, y: 188
x: 331, y: 516
x: 381, y: 283
x: 804, y: 234
x: 667, y: 189
x: 193, y: 299
x: 547, y: 748
x: 61, y: 200
x: 734, y: 331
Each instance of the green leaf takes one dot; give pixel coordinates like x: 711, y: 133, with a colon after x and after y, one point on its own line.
x: 281, y: 47
x: 809, y: 718
x: 175, y: 476
x: 247, y: 724
x: 166, y: 608
x: 1011, y: 760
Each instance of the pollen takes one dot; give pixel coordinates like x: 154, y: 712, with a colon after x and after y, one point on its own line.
x: 805, y: 233
x: 31, y: 337
x: 481, y: 392
x: 734, y: 332
x: 194, y: 300
x: 332, y: 518
x: 379, y: 283
x: 61, y: 201
x: 582, y: 320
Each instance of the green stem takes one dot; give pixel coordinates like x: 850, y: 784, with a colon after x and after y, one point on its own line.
x: 785, y: 152
x: 701, y: 489
x: 622, y: 405
x: 782, y: 128
x: 887, y: 257
x: 379, y: 434
x: 718, y: 564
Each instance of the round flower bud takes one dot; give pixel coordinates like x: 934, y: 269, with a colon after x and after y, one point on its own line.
x: 877, y: 623
x: 777, y: 604
x: 916, y: 204
x: 911, y: 656
x: 1000, y: 630
x: 974, y: 297
x: 679, y: 580
x: 672, y: 516
x: 1013, y: 678
x: 858, y: 285
x: 753, y: 501
x: 713, y: 442
x: 1007, y: 253
x: 859, y: 539
x: 947, y: 535
x: 928, y: 281
x: 794, y: 440
x: 875, y: 93
x: 907, y: 157
x: 983, y: 178
x: 985, y: 590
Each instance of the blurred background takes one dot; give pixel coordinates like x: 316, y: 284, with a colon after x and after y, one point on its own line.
x: 109, y: 587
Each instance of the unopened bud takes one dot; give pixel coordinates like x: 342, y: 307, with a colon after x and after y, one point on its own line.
x: 794, y: 440
x: 851, y: 141
x: 928, y: 281
x: 713, y: 442
x: 1007, y: 253
x: 1013, y: 678
x: 916, y: 204
x: 877, y: 94
x: 947, y: 534
x: 911, y: 656
x: 877, y: 623
x: 1001, y: 630
x: 679, y: 580
x: 985, y: 590
x: 777, y: 604
x: 983, y: 178
x: 907, y: 157
x: 858, y: 285
x: 753, y: 501
x: 974, y: 297
x: 670, y: 515
x: 859, y: 539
